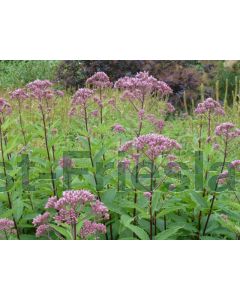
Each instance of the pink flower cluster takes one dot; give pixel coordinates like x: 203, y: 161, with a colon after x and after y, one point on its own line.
x: 148, y: 195
x: 99, y: 80
x: 98, y: 101
x: 6, y: 225
x: 151, y: 144
x: 223, y: 177
x: 40, y: 89
x: 91, y: 229
x: 41, y: 219
x: 39, y: 84
x: 95, y: 113
x: 51, y: 202
x: 99, y: 209
x: 59, y: 93
x: 19, y: 94
x: 112, y: 102
x: 68, y: 209
x: 227, y: 130
x: 42, y: 230
x: 5, y: 107
x: 209, y: 106
x: 118, y: 128
x: 69, y: 205
x: 159, y: 124
x: 41, y: 223
x: 235, y: 164
x: 82, y: 96
x: 141, y: 84
x: 173, y: 166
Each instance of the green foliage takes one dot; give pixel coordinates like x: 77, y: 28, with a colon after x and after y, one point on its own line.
x: 19, y: 72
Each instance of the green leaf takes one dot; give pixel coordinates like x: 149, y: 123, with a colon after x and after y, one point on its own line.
x: 126, y: 221
x: 139, y: 232
x: 98, y: 156
x: 169, y: 210
x: 109, y: 195
x: 63, y: 231
x: 18, y: 208
x: 168, y: 234
x: 197, y: 198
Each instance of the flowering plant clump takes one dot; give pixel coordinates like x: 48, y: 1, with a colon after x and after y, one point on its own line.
x: 147, y: 170
x: 137, y: 89
x: 72, y: 209
x: 151, y: 146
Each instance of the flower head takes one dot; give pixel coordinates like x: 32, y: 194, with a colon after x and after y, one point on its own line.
x: 51, y: 202
x: 70, y: 204
x: 5, y: 107
x: 82, y: 96
x: 42, y: 230
x: 19, y: 94
x: 41, y: 219
x: 99, y: 80
x: 59, y: 93
x: 148, y: 195
x: 6, y: 224
x: 95, y: 113
x: 209, y: 106
x: 140, y: 85
x: 235, y: 164
x: 227, y: 130
x: 92, y: 229
x: 40, y: 89
x: 118, y: 128
x: 99, y: 209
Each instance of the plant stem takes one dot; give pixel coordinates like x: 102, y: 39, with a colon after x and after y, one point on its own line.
x: 214, y: 196
x: 150, y: 201
x: 74, y: 226
x: 141, y: 122
x: 47, y: 149
x: 209, y: 123
x: 21, y: 122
